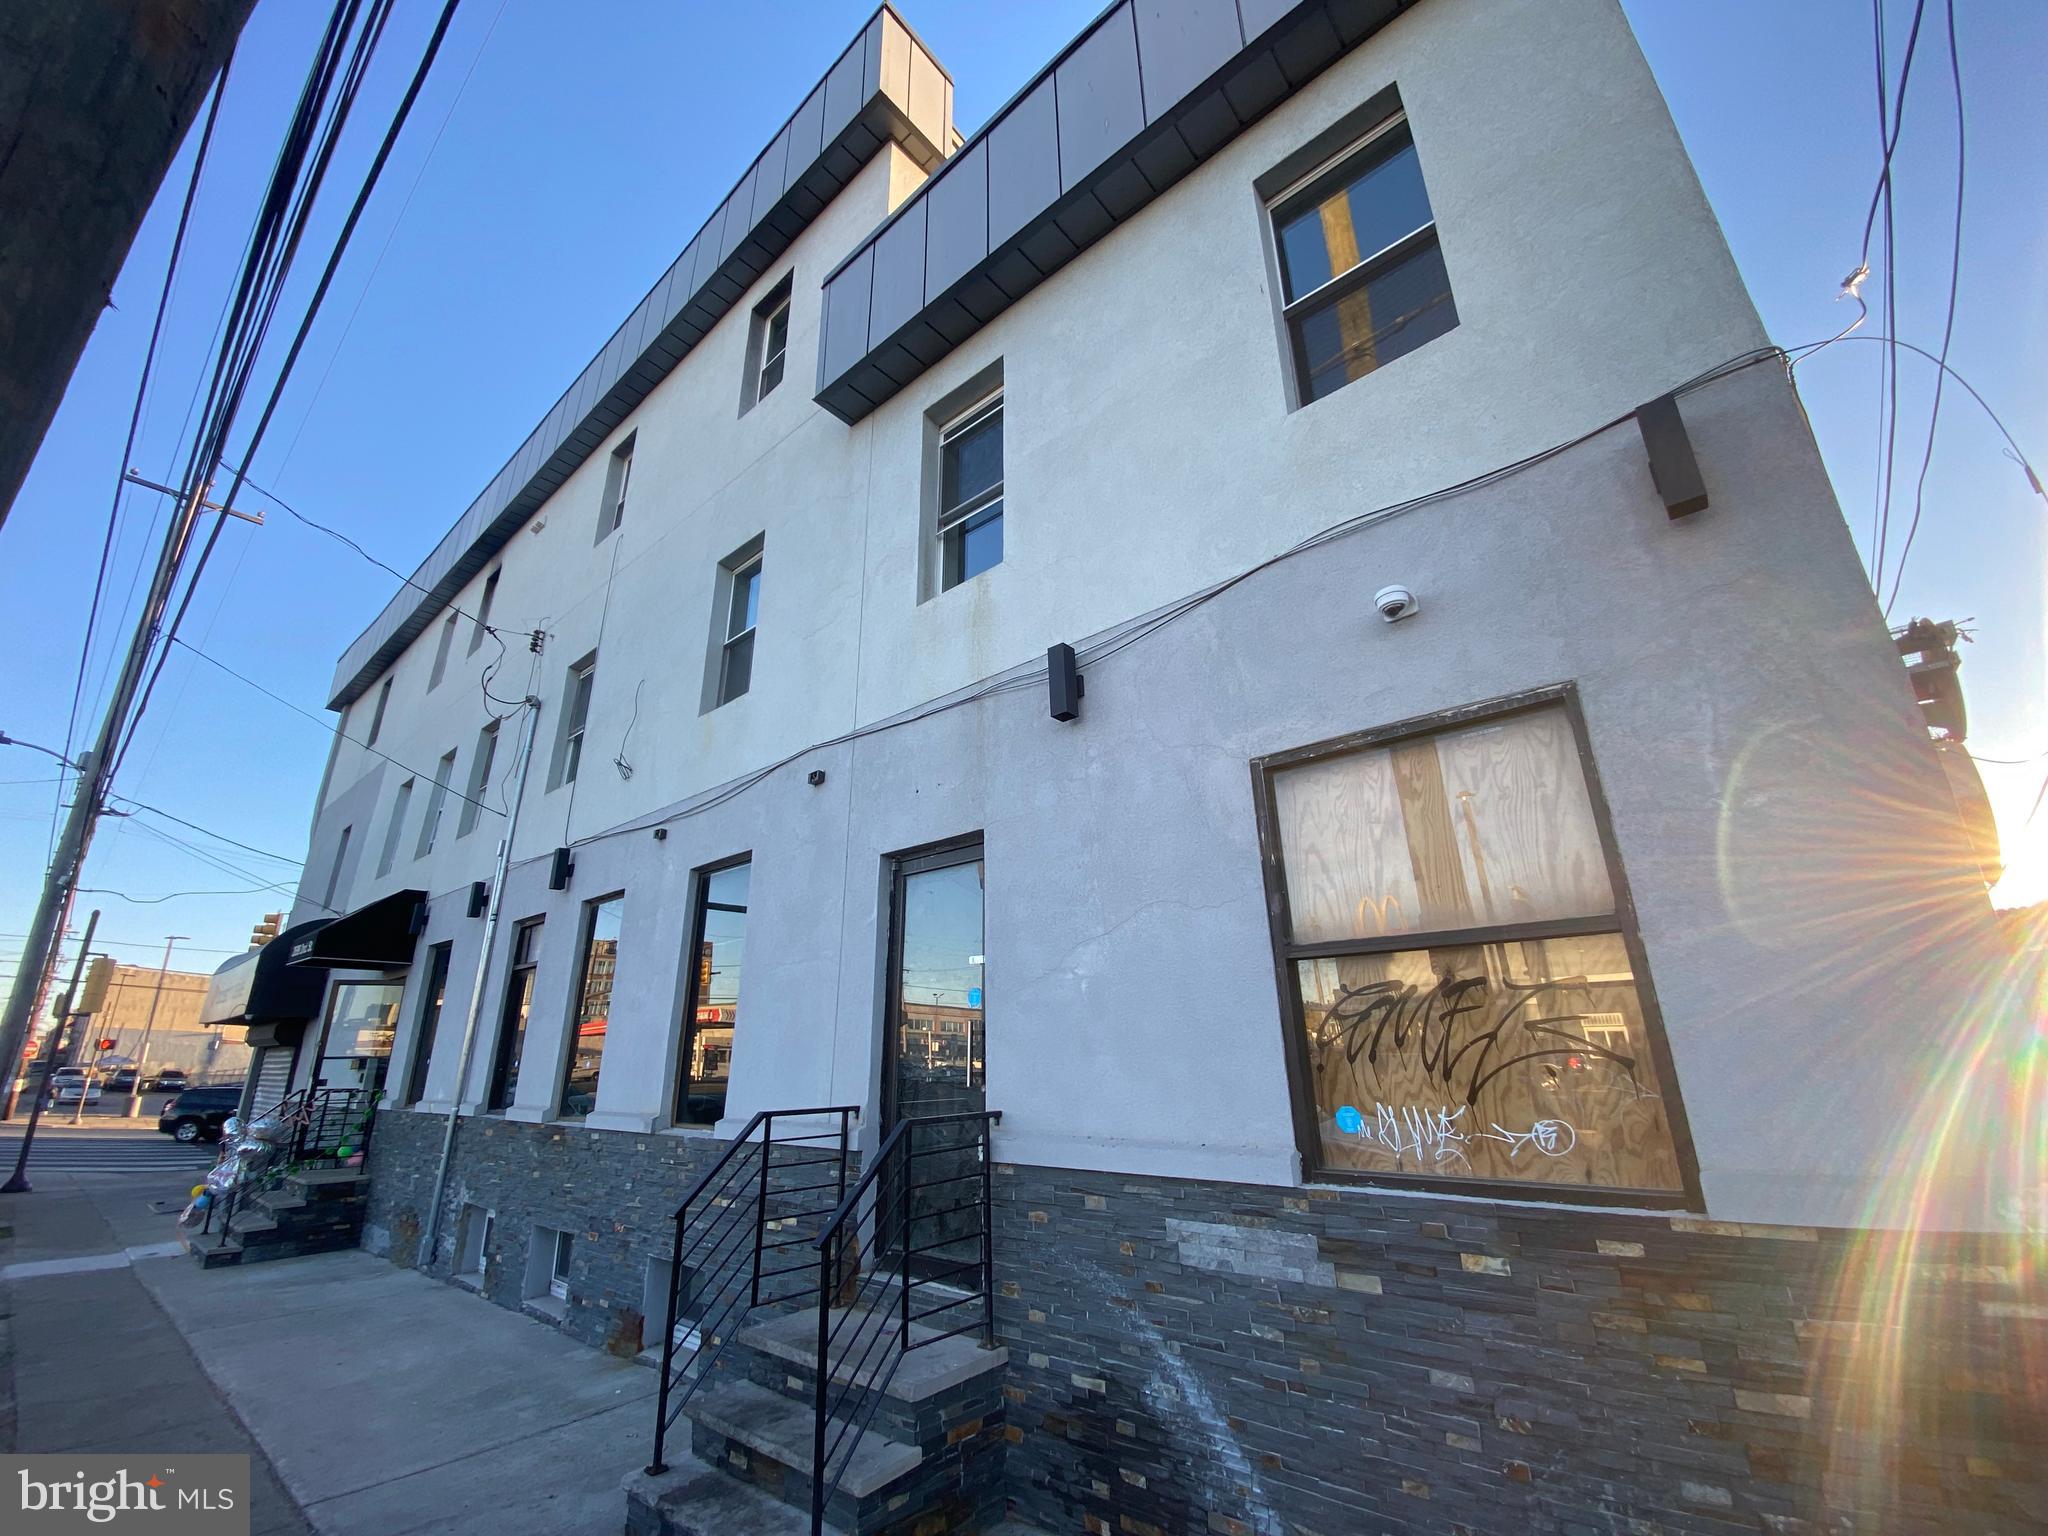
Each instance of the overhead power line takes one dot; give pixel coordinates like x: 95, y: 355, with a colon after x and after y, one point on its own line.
x: 341, y: 60
x: 1948, y: 329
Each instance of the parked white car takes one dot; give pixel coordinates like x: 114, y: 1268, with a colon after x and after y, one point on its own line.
x: 69, y: 1084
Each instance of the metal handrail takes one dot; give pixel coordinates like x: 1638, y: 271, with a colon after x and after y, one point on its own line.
x: 898, y: 1146
x: 731, y: 1165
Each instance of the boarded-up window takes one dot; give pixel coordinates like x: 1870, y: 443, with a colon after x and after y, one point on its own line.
x: 1468, y: 1004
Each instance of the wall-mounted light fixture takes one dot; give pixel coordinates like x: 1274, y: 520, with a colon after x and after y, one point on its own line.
x: 1673, y: 468
x: 1064, y: 683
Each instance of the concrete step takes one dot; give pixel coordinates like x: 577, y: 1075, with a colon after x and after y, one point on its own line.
x: 766, y: 1438
x: 691, y: 1499
x: 931, y: 1366
x: 321, y: 1184
x: 212, y: 1251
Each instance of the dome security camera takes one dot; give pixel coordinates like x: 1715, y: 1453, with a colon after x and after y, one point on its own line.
x: 1395, y: 602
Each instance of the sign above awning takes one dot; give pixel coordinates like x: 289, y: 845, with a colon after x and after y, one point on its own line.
x: 378, y: 937
x: 261, y: 987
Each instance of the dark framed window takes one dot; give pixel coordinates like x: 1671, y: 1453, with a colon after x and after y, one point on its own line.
x: 377, y: 715
x: 334, y: 869
x: 1466, y: 999
x: 437, y: 802
x: 970, y: 522
x: 441, y: 650
x: 575, y: 720
x: 1362, y: 277
x: 483, y: 610
x: 618, y: 479
x: 431, y: 1003
x: 393, y: 828
x: 518, y: 1009
x: 743, y: 609
x: 480, y: 767
x: 592, y: 1018
x: 711, y: 1001
x: 774, y: 346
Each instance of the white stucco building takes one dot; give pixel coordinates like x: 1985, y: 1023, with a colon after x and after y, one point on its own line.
x: 1618, y: 872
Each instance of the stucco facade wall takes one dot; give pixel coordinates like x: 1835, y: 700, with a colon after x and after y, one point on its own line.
x: 1804, y: 896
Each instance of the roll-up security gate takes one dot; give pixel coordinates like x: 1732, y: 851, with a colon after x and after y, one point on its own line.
x: 271, y: 1072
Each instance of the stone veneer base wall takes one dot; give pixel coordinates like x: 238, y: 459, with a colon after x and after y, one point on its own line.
x: 1190, y: 1356
x: 1206, y: 1357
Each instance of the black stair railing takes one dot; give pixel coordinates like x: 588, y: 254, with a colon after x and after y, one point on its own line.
x: 324, y: 1126
x: 923, y: 1209
x: 742, y: 1237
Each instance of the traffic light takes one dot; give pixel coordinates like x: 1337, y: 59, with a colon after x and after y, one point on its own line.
x: 106, y: 1045
x: 1932, y: 665
x: 266, y: 930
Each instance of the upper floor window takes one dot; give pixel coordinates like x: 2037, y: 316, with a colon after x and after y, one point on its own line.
x: 479, y: 778
x: 483, y: 610
x: 334, y: 869
x: 377, y: 715
x: 1467, y: 1006
x: 970, y: 523
x: 1362, y: 277
x: 618, y: 476
x: 743, y: 607
x: 575, y: 720
x: 767, y: 344
x: 441, y: 651
x: 398, y: 809
x: 437, y: 802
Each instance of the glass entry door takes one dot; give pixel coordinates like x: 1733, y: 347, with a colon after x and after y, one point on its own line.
x: 362, y: 1019
x: 935, y: 1050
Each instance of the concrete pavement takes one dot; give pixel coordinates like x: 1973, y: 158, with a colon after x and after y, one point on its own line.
x: 391, y: 1403
x: 88, y: 1360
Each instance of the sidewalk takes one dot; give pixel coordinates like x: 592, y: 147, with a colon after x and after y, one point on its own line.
x: 373, y: 1401
x: 392, y: 1403
x: 88, y: 1360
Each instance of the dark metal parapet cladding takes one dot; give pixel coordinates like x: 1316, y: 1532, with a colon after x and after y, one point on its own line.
x: 885, y: 86
x: 1149, y: 91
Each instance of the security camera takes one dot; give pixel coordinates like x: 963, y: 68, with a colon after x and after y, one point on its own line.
x: 1395, y: 602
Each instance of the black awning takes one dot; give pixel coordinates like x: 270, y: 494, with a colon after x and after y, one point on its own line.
x: 262, y: 987
x: 379, y: 937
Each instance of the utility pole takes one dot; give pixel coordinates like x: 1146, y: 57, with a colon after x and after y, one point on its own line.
x: 142, y: 1055
x: 19, y: 1185
x: 17, y: 1071
x: 94, y: 771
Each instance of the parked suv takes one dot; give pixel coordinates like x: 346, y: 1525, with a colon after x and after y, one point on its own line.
x: 197, y: 1114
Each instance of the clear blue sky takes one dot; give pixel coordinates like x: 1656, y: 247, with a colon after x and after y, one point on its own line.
x: 584, y: 146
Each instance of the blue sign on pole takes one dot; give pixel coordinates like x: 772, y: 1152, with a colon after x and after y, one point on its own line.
x: 974, y: 997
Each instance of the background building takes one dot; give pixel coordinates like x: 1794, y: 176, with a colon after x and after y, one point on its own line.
x: 177, y: 1038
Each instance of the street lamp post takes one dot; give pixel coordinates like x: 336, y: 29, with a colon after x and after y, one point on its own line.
x: 142, y: 1055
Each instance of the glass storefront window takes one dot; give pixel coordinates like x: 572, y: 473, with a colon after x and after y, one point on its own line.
x: 601, y: 926
x: 711, y: 1010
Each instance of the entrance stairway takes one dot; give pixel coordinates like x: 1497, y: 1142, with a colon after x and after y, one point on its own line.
x: 901, y: 1431
x: 310, y: 1210
x: 313, y: 1201
x: 927, y: 1460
